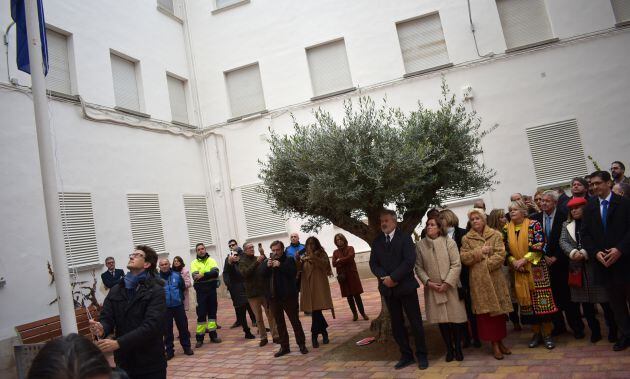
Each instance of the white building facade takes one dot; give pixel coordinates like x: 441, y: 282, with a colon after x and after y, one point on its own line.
x: 160, y: 111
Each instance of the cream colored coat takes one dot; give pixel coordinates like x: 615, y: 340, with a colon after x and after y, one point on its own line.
x: 438, y: 260
x: 488, y: 289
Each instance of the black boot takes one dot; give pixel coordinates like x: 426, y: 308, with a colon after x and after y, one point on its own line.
x: 199, y: 338
x: 353, y: 308
x: 457, y: 341
x: 325, y: 339
x: 249, y: 335
x: 314, y: 340
x: 359, y: 302
x: 446, y: 336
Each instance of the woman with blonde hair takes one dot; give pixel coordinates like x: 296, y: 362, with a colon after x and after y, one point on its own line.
x: 525, y: 244
x: 438, y: 267
x: 483, y: 252
x: 348, y: 276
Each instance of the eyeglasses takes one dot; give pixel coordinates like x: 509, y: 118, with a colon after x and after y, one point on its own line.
x: 232, y: 245
x: 135, y: 255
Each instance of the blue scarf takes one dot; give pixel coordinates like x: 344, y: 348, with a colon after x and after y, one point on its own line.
x: 131, y: 282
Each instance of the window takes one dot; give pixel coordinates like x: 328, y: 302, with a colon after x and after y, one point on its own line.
x: 166, y: 4
x: 197, y: 220
x: 146, y: 220
x: 259, y: 216
x: 621, y: 8
x: 422, y: 44
x: 58, y: 78
x: 177, y: 97
x: 525, y: 23
x: 245, y: 90
x: 557, y: 152
x: 125, y: 83
x: 329, y: 68
x: 77, y: 218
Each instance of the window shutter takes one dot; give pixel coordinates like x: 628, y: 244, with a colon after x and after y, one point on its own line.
x: 422, y: 43
x: 557, y: 152
x: 79, y: 233
x: 245, y: 90
x: 225, y: 3
x: 58, y: 78
x: 125, y: 84
x: 166, y: 4
x: 259, y: 216
x: 146, y: 221
x: 197, y: 220
x: 329, y: 68
x: 177, y: 97
x: 524, y: 22
x: 621, y: 8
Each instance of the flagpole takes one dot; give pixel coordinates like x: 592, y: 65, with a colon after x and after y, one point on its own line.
x: 49, y: 177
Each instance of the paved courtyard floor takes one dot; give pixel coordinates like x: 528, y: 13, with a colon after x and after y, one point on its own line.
x: 237, y: 357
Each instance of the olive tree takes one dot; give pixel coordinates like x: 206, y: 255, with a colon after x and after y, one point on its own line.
x: 345, y: 172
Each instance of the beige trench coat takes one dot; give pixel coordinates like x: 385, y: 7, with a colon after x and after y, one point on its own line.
x: 438, y: 260
x: 489, y: 290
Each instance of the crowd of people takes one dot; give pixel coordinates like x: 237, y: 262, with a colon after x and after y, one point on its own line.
x: 546, y: 262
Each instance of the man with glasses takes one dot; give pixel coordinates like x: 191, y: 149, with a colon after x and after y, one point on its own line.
x: 134, y: 311
x: 606, y: 238
x: 205, y: 274
x: 112, y: 276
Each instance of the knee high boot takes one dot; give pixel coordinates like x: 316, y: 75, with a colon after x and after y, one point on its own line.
x: 359, y: 302
x: 353, y: 308
x: 458, y: 331
x: 445, y: 331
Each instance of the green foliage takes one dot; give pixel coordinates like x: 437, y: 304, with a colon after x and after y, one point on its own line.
x: 376, y: 157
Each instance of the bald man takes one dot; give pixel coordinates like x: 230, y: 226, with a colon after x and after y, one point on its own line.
x: 295, y: 247
x: 174, y: 287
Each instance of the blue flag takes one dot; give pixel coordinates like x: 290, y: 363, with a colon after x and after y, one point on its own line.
x: 18, y: 14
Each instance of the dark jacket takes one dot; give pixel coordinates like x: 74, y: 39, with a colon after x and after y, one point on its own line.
x: 138, y: 325
x: 465, y: 273
x: 397, y: 261
x: 256, y: 284
x: 235, y: 282
x: 282, y: 279
x: 109, y: 281
x: 617, y: 234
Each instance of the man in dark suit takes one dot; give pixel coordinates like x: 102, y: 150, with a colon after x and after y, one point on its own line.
x: 606, y: 237
x: 112, y: 276
x: 392, y: 261
x: 551, y: 218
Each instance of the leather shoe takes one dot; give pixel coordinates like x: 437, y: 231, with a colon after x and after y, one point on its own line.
x: 404, y: 362
x: 198, y: 344
x: 215, y: 340
x: 622, y: 344
x: 263, y: 342
x: 595, y: 337
x: 423, y: 362
x: 549, y: 342
x: 282, y: 351
x: 536, y: 340
x: 188, y: 351
x: 303, y: 349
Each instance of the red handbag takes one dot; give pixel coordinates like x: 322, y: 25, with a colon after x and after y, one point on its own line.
x: 575, y: 277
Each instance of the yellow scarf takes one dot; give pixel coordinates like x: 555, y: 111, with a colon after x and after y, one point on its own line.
x: 519, y: 246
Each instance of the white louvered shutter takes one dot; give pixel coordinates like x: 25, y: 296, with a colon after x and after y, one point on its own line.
x: 146, y: 220
x: 177, y: 97
x: 58, y: 78
x: 225, y: 3
x: 422, y: 43
x: 557, y: 152
x: 245, y: 90
x: 197, y: 220
x: 328, y: 65
x: 259, y: 216
x: 621, y: 8
x: 166, y: 4
x: 79, y: 232
x: 524, y: 22
x: 125, y: 83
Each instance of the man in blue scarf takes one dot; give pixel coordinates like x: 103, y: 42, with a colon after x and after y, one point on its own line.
x: 134, y: 311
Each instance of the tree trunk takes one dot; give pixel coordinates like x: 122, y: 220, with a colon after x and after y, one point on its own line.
x: 382, y: 325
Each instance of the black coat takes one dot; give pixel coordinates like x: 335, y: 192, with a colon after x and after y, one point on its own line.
x: 465, y: 273
x: 396, y: 261
x: 109, y: 281
x: 560, y: 269
x: 235, y: 283
x: 617, y: 234
x: 282, y: 283
x: 138, y: 325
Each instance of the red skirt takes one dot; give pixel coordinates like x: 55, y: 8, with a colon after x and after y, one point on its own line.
x: 491, y: 328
